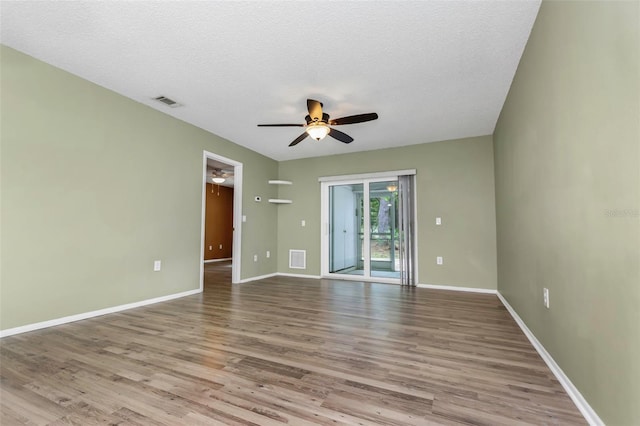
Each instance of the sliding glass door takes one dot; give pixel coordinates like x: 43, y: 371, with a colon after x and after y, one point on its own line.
x: 383, y: 229
x: 345, y: 224
x: 362, y: 229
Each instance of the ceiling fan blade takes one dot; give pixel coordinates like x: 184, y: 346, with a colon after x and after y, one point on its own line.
x: 352, y: 119
x: 315, y: 109
x: 299, y: 139
x: 342, y: 137
x: 280, y: 125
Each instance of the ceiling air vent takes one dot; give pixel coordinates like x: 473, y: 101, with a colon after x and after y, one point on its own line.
x: 169, y: 102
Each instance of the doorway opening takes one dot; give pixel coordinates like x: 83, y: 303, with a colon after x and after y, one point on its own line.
x: 218, y: 228
x: 222, y: 177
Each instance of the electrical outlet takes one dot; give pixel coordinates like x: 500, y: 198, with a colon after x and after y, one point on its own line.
x: 439, y: 260
x: 268, y: 254
x: 255, y: 257
x: 157, y: 265
x: 303, y: 223
x: 210, y: 247
x: 438, y: 221
x: 220, y: 246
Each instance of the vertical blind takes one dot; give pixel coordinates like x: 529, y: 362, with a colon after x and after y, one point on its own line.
x: 406, y: 224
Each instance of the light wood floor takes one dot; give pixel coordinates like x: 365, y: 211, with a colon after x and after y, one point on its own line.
x: 285, y: 350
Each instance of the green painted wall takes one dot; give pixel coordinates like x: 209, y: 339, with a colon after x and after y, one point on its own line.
x: 567, y: 158
x: 454, y: 180
x: 95, y: 187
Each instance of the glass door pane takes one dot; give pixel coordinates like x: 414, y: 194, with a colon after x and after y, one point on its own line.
x: 345, y: 223
x: 383, y: 226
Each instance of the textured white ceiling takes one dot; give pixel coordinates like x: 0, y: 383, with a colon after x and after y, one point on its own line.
x: 432, y: 70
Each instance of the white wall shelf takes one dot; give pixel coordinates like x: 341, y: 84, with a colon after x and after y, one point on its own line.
x: 279, y: 182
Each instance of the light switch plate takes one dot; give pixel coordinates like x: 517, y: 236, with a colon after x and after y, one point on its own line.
x: 545, y: 297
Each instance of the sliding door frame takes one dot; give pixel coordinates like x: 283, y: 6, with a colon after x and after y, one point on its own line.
x: 365, y: 179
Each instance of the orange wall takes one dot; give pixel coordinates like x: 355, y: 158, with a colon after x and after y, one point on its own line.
x: 218, y: 228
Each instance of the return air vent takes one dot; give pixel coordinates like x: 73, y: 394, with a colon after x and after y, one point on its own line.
x: 298, y: 259
x: 169, y: 102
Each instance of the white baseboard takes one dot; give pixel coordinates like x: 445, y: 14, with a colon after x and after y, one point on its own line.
x: 278, y: 274
x: 314, y: 277
x: 260, y: 277
x: 217, y: 260
x: 452, y: 288
x: 87, y: 315
x: 360, y: 278
x: 589, y: 414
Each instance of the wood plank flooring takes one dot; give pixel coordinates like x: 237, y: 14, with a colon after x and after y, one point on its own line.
x: 285, y: 350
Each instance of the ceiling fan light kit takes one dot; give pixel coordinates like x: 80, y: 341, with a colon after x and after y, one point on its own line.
x: 218, y: 176
x: 318, y: 131
x: 318, y: 124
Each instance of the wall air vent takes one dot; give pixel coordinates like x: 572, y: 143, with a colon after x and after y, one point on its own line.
x: 169, y: 102
x: 298, y: 259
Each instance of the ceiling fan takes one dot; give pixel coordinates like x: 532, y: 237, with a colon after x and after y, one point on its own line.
x: 318, y: 124
x: 218, y: 175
